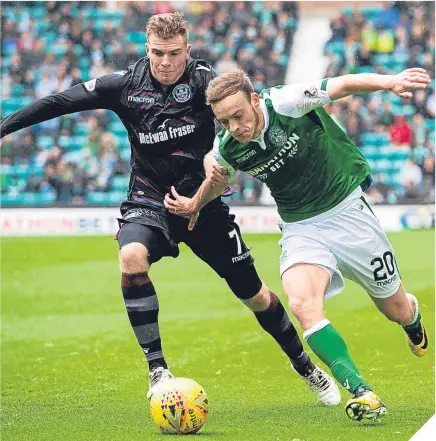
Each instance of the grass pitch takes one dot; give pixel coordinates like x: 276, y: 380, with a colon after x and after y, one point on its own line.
x: 72, y: 370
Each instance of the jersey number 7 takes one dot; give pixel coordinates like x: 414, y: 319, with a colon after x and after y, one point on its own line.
x: 233, y: 234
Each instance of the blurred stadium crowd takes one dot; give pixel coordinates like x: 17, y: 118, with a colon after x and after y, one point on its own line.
x: 83, y: 158
x: 396, y: 135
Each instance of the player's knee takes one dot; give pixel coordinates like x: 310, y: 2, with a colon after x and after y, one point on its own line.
x: 305, y: 286
x: 297, y: 304
x: 134, y: 258
x: 245, y: 283
x: 303, y: 305
x: 261, y: 301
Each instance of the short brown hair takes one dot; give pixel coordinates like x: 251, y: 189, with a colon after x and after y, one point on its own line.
x: 229, y: 83
x: 167, y: 25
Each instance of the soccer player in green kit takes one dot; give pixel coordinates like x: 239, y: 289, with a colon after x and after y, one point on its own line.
x: 285, y: 138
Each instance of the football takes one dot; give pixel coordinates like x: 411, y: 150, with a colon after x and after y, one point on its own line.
x: 179, y: 405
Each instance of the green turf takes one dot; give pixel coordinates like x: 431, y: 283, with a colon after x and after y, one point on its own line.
x: 72, y: 370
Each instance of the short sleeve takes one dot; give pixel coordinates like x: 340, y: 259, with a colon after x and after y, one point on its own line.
x: 298, y: 99
x: 220, y: 160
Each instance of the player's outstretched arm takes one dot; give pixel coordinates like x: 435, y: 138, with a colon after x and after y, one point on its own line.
x: 100, y: 93
x: 69, y: 101
x: 401, y: 84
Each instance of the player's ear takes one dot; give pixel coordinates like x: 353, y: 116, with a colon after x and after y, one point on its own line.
x: 255, y: 100
x: 188, y: 51
x: 147, y: 49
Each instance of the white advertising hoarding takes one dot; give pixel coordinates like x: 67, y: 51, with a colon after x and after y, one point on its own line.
x: 95, y: 221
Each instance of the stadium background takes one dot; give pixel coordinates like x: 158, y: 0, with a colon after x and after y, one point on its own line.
x: 82, y: 159
x: 64, y: 355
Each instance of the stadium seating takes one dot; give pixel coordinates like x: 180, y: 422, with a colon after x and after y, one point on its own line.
x: 386, y: 160
x: 75, y: 136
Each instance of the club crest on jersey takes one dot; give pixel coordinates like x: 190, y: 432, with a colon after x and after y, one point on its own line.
x: 277, y: 136
x: 312, y: 92
x: 182, y: 93
x: 288, y: 150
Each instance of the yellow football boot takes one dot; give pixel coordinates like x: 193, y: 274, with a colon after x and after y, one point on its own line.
x: 365, y: 405
x: 418, y: 341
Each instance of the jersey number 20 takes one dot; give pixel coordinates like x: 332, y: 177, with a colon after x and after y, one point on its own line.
x: 387, y: 262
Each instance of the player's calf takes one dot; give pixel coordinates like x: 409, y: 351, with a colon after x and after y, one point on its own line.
x: 330, y: 347
x: 403, y: 308
x: 141, y: 303
x: 398, y: 307
x: 143, y: 309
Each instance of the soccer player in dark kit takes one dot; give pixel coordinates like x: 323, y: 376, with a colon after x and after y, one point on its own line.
x: 161, y: 102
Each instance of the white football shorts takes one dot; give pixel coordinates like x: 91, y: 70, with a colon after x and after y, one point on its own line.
x: 347, y: 241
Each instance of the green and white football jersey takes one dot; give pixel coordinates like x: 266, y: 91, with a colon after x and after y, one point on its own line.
x: 306, y: 160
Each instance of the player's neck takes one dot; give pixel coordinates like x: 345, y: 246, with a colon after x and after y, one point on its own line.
x: 260, y: 123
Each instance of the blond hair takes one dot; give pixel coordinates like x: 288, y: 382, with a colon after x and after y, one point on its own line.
x: 167, y: 25
x: 229, y: 83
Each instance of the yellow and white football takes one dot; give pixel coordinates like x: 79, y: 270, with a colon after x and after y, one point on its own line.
x: 179, y: 405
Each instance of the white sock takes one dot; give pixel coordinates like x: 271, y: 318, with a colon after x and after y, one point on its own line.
x: 315, y: 328
x: 415, y: 301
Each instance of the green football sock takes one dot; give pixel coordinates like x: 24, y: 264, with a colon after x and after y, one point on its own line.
x: 330, y: 347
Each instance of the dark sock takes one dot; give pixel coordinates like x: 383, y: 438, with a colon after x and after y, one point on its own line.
x: 142, y: 309
x: 303, y: 364
x: 159, y: 362
x: 275, y: 321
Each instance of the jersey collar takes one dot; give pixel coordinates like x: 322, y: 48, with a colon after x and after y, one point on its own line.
x: 260, y: 138
x: 265, y: 115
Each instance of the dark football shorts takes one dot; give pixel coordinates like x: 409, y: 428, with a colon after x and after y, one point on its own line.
x: 215, y: 239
